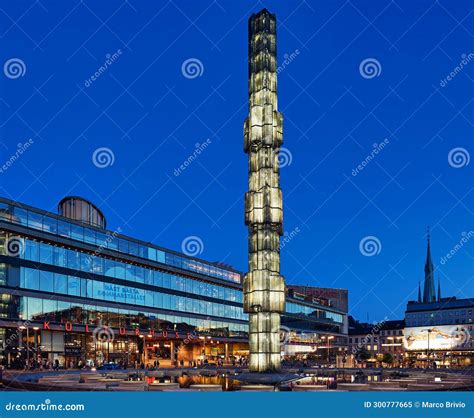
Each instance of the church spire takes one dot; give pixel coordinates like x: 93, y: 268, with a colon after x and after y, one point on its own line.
x: 429, y: 293
x: 439, y: 289
x: 419, y: 292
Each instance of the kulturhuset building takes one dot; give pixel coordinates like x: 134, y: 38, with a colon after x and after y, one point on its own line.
x: 75, y: 292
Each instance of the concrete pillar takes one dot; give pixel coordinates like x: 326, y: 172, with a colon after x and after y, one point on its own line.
x: 226, y: 353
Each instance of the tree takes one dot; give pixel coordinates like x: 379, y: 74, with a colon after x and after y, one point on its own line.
x: 362, y: 354
x: 387, y: 358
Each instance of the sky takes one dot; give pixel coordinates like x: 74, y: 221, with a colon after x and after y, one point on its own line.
x: 139, y: 107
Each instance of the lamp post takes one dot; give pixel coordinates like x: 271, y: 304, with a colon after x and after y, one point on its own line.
x: 429, y: 331
x: 35, y: 337
x: 27, y: 344
x: 331, y: 337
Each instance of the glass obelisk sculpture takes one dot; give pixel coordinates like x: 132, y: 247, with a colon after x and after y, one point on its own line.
x: 264, y: 287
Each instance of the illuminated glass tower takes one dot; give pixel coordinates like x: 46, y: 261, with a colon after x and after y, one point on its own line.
x: 264, y: 287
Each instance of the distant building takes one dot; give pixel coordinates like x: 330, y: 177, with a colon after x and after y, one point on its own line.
x: 375, y: 340
x: 336, y: 298
x: 439, y: 331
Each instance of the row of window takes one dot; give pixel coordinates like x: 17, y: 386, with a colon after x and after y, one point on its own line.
x: 309, y: 311
x: 46, y: 281
x: 63, y: 257
x: 444, y: 321
x: 368, y: 339
x: 440, y: 314
x: 108, y: 240
x: 36, y: 309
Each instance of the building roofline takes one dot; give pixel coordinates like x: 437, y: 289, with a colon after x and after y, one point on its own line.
x: 104, y: 231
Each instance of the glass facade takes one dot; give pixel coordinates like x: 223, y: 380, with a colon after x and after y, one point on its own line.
x: 62, y: 272
x: 110, y: 240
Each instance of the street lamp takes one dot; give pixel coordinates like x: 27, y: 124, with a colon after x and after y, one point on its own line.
x: 27, y: 344
x: 331, y: 337
x: 35, y: 337
x: 429, y: 331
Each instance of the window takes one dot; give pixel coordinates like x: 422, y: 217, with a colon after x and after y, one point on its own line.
x: 46, y: 281
x: 64, y: 229
x: 89, y: 236
x: 73, y: 260
x: 35, y: 220
x: 46, y: 254
x: 133, y: 248
x: 109, y: 267
x: 50, y: 225
x: 32, y: 279
x: 21, y: 216
x: 74, y: 286
x: 60, y: 283
x: 60, y: 256
x: 77, y: 232
x: 32, y: 250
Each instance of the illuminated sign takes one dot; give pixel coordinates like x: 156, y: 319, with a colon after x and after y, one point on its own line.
x: 439, y: 337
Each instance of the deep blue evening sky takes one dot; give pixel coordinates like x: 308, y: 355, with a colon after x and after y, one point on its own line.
x: 151, y: 116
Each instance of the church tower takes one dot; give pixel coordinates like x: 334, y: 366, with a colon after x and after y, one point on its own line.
x: 429, y: 292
